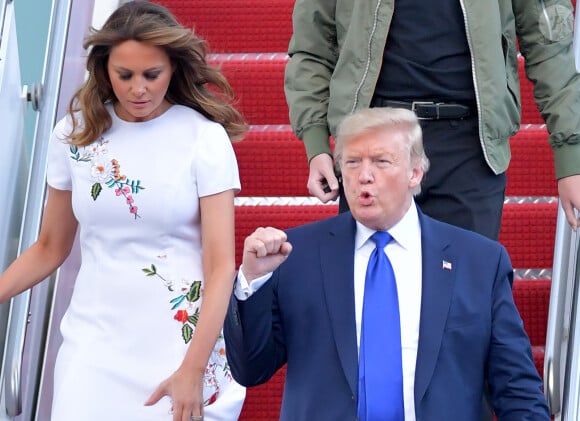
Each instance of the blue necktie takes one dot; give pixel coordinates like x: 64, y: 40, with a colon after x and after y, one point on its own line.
x: 380, y: 379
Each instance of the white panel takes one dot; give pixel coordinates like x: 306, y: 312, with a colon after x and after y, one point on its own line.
x: 13, y: 162
x: 12, y: 147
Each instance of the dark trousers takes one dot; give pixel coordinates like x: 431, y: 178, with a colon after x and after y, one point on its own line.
x: 459, y: 187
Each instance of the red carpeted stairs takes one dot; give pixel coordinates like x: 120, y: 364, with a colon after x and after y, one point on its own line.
x: 248, y: 39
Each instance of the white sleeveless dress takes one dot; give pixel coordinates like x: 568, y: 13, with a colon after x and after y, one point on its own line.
x: 135, y: 193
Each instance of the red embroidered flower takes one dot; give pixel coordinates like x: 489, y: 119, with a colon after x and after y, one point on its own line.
x: 181, y: 316
x: 212, y: 399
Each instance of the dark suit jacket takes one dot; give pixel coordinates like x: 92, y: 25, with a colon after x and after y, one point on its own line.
x: 470, y: 330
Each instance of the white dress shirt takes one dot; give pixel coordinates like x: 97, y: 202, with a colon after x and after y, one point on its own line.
x: 404, y: 252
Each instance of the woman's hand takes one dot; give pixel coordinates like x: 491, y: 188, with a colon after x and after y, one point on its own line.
x: 185, y: 389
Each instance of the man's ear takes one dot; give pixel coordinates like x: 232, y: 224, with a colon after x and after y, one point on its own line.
x: 415, y: 177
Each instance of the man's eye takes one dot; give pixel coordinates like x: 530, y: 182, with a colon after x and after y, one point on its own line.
x: 383, y: 162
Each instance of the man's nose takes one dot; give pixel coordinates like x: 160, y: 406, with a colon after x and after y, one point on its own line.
x: 366, y: 172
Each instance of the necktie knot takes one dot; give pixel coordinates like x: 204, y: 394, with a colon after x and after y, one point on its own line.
x: 381, y: 239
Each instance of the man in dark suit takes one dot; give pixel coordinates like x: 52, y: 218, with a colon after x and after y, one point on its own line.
x: 301, y: 299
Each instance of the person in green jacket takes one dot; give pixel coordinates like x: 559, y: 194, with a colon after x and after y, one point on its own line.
x: 455, y: 63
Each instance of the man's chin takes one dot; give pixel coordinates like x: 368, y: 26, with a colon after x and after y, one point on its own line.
x: 366, y: 214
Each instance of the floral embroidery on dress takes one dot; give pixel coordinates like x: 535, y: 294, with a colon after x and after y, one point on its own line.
x: 107, y: 171
x: 184, y: 306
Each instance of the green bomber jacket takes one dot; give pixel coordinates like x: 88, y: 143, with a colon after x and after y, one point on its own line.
x: 336, y: 55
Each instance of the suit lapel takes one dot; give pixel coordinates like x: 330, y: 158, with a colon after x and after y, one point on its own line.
x: 437, y: 291
x: 338, y: 281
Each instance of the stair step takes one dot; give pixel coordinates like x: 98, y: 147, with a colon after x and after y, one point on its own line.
x: 232, y: 26
x: 527, y: 229
x: 273, y: 162
x: 531, y: 170
x: 237, y: 26
x: 258, y: 83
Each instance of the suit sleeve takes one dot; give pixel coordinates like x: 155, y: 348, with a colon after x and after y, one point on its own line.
x: 516, y: 387
x: 253, y: 334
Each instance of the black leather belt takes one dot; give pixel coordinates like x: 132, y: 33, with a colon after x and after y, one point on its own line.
x: 428, y: 110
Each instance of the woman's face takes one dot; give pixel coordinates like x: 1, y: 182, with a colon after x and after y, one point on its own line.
x: 140, y: 74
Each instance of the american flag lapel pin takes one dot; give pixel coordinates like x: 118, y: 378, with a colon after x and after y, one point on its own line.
x: 447, y: 265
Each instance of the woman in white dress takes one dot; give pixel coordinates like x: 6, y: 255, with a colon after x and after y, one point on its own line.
x: 143, y: 166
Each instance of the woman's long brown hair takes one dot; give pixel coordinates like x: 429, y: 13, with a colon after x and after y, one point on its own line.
x: 194, y: 83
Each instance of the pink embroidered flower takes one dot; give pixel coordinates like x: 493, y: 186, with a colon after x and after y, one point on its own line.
x: 133, y: 209
x: 125, y: 190
x: 181, y: 316
x: 130, y: 199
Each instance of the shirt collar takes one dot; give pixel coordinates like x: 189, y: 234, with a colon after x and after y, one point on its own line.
x: 403, y: 232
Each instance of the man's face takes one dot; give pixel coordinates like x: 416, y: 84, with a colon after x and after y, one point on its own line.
x: 378, y: 178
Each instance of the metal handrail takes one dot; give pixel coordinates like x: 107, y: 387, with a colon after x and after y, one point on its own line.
x: 571, y: 393
x: 561, y: 304
x: 36, y: 190
x: 562, y: 325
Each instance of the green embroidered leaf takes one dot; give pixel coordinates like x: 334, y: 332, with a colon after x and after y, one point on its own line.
x: 96, y: 190
x: 74, y: 151
x: 194, y: 318
x: 226, y: 368
x: 194, y: 292
x: 150, y: 271
x: 187, y: 333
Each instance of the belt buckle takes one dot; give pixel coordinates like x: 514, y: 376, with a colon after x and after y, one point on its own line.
x: 414, y: 106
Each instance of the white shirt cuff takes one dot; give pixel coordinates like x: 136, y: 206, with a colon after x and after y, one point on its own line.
x: 244, y: 290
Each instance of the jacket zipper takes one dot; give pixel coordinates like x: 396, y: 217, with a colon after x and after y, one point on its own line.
x: 545, y: 14
x: 475, y: 85
x: 366, y: 71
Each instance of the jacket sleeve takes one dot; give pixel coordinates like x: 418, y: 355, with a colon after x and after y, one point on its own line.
x: 255, y: 346
x: 545, y: 33
x: 515, y: 385
x: 313, y: 54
